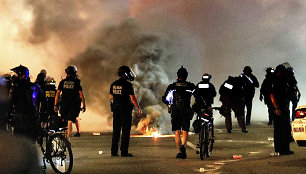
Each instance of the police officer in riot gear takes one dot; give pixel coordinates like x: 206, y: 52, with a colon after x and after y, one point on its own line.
x: 231, y: 96
x: 280, y: 97
x: 250, y: 83
x: 204, y: 94
x: 265, y: 93
x: 181, y: 112
x: 40, y: 79
x: 295, y: 93
x: 24, y: 97
x: 205, y: 91
x: 122, y: 99
x: 49, y: 90
x: 71, y: 98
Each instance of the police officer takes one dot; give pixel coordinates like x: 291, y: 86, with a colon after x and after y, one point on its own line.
x: 24, y: 96
x: 295, y: 93
x: 205, y: 92
x: 231, y: 96
x: 49, y: 90
x: 265, y: 93
x: 280, y: 99
x: 122, y: 99
x: 71, y: 98
x: 181, y: 112
x: 250, y: 83
x: 40, y: 79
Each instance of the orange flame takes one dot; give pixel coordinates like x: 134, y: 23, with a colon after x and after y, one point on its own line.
x: 151, y: 132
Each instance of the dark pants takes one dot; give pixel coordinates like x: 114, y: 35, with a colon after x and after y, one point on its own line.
x: 271, y: 111
x: 282, y: 131
x: 248, y: 104
x: 238, y: 108
x: 26, y: 124
x: 122, y: 120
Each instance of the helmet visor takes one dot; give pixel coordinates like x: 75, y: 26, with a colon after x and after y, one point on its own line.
x: 131, y: 75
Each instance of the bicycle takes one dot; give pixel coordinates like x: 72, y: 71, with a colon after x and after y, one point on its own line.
x: 56, y: 149
x: 206, y: 132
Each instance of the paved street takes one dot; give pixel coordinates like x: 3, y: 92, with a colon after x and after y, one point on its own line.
x: 157, y: 155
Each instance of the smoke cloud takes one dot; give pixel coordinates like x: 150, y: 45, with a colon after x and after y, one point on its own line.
x: 125, y: 44
x: 214, y: 36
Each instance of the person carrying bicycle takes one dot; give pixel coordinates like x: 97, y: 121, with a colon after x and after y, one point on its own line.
x: 204, y: 94
x: 181, y: 112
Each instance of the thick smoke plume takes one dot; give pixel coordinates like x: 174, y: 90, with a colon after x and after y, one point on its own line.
x: 126, y: 44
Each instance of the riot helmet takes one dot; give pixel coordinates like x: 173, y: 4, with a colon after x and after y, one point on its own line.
x: 247, y: 70
x: 21, y: 70
x: 40, y: 78
x: 280, y: 70
x: 49, y: 80
x: 43, y: 71
x: 126, y: 72
x: 206, y: 77
x: 269, y: 71
x: 71, y: 70
x: 291, y: 71
x: 182, y: 73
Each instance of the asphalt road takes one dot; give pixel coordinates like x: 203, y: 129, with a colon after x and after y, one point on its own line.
x: 157, y: 155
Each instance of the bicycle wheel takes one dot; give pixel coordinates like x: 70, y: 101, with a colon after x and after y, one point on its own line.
x: 59, y: 154
x: 202, y: 142
x: 209, y: 138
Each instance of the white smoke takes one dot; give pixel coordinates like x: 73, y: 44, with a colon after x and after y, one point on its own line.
x: 126, y: 44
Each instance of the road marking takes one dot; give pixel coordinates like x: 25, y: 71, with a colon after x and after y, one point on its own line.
x: 243, y: 141
x: 213, y: 168
x: 192, y: 146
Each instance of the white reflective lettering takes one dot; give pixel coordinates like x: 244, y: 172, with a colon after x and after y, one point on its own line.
x: 229, y: 86
x: 205, y: 77
x: 203, y: 86
x: 68, y: 85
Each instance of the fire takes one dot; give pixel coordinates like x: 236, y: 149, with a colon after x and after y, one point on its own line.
x: 151, y: 132
x: 147, y: 129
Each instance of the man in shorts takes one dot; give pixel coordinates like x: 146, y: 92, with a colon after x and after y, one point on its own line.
x: 72, y: 96
x: 181, y: 112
